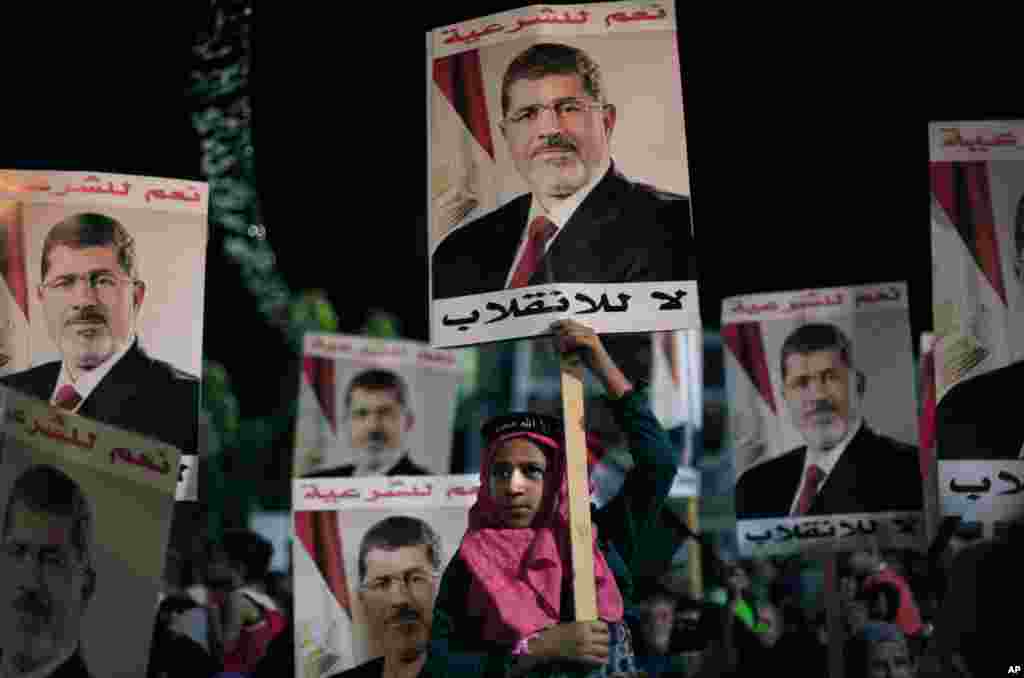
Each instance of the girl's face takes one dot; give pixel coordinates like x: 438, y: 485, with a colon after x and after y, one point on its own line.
x: 517, y: 481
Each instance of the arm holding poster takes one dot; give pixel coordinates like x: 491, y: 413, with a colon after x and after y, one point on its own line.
x: 487, y: 622
x: 636, y: 508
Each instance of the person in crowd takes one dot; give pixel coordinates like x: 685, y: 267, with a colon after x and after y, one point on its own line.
x: 506, y: 599
x: 243, y: 618
x: 869, y: 565
x: 879, y: 650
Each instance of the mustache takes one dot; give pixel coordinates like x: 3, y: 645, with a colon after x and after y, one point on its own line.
x: 556, y: 141
x: 821, y: 407
x: 89, y: 314
x: 405, y: 614
x: 32, y: 603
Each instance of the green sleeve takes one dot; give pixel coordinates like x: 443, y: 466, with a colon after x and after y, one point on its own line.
x: 631, y: 519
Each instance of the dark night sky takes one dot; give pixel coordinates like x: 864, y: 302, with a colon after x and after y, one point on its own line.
x: 806, y: 138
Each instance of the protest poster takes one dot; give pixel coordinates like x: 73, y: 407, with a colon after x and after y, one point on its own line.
x: 87, y: 516
x: 599, y: 154
x: 339, y: 621
x: 977, y: 223
x: 130, y: 338
x: 374, y: 407
x: 823, y: 379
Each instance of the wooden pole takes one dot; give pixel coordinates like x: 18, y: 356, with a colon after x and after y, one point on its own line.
x: 834, y: 615
x: 580, y: 531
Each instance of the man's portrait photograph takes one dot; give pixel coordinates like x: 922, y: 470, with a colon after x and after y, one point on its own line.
x: 823, y: 407
x: 383, y: 414
x: 366, y: 575
x: 977, y: 233
x: 81, y: 555
x: 975, y: 418
x: 113, y: 299
x: 558, y: 156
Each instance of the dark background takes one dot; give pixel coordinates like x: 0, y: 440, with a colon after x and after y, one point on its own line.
x: 806, y: 134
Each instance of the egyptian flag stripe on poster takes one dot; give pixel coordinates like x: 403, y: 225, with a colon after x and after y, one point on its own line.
x: 852, y: 379
x: 976, y: 174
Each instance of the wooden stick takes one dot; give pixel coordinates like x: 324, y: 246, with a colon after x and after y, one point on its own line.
x: 581, y: 534
x: 834, y: 615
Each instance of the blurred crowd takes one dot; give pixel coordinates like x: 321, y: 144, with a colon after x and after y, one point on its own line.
x: 221, y: 609
x: 223, y: 612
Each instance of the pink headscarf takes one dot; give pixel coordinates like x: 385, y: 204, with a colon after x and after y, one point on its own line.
x: 518, y: 573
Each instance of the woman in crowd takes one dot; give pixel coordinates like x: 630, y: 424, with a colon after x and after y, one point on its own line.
x: 505, y: 604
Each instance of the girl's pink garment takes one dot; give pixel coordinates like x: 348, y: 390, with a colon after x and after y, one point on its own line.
x: 518, y: 573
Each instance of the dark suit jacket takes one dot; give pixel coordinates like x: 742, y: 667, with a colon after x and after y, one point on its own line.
x: 621, y: 232
x: 874, y: 474
x: 371, y: 669
x: 74, y: 667
x: 139, y: 394
x: 404, y: 467
x: 981, y: 418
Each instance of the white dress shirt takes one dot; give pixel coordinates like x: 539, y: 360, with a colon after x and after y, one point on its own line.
x: 388, y: 460
x: 88, y: 380
x: 559, y: 215
x: 826, y: 461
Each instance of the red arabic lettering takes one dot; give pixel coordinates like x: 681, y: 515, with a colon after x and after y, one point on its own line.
x: 871, y: 297
x: 161, y: 194
x: 954, y: 137
x: 623, y: 17
x: 313, y: 492
x: 811, y: 300
x: 86, y: 187
x: 549, y: 16
x: 753, y: 309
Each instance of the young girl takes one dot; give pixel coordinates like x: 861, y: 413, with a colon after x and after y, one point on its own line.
x: 505, y: 605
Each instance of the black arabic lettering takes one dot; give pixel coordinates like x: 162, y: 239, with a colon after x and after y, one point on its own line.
x: 974, y: 490
x: 786, y: 533
x: 759, y: 537
x: 1010, y: 478
x: 673, y: 302
x: 586, y: 300
x: 463, y: 323
x: 905, y: 525
x: 504, y: 313
x: 623, y: 303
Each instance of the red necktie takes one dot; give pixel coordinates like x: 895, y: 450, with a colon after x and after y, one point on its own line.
x: 67, y: 397
x: 812, y: 480
x: 541, y: 230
